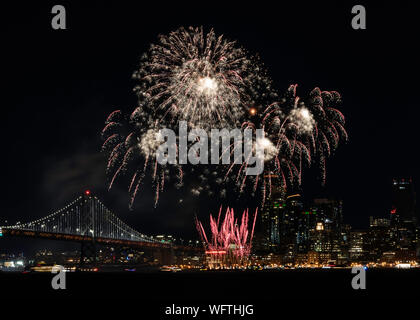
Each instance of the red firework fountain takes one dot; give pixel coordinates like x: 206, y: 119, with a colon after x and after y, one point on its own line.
x: 229, y: 246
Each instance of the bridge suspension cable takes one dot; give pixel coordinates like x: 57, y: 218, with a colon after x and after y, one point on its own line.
x: 85, y: 216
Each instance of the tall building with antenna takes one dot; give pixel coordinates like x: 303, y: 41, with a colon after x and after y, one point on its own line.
x: 403, y: 213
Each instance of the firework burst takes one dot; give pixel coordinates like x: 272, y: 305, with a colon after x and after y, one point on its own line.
x: 132, y: 149
x: 297, y: 132
x: 320, y: 126
x: 201, y: 78
x: 230, y: 242
x: 190, y: 75
x: 210, y: 82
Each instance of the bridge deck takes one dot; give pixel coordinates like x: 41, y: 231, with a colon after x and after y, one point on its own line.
x: 106, y: 241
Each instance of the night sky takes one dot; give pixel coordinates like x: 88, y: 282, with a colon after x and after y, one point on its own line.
x: 60, y: 85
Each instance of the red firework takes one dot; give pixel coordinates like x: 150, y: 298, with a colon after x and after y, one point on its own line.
x: 230, y: 242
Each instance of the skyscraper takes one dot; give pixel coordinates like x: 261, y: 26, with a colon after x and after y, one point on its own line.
x: 403, y: 213
x: 403, y: 200
x: 271, y: 215
x: 289, y: 225
x: 379, y: 238
x: 268, y: 229
x: 327, y: 234
x: 357, y: 243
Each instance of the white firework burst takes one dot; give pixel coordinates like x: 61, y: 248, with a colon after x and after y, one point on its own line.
x: 302, y: 119
x: 198, y: 77
x: 150, y: 142
x: 270, y: 150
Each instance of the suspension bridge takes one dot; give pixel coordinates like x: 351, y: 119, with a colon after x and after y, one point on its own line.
x: 88, y: 221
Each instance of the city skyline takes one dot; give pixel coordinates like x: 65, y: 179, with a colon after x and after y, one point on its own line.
x: 278, y: 231
x: 306, y: 204
x: 287, y: 233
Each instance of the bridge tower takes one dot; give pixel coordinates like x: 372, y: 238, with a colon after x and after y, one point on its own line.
x: 88, y: 250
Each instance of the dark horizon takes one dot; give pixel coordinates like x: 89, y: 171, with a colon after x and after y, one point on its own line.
x: 61, y: 85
